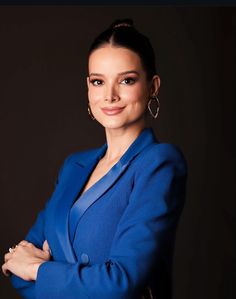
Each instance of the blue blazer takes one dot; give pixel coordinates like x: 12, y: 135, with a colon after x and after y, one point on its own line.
x: 124, y: 234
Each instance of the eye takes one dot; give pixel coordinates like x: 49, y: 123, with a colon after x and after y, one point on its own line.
x: 129, y: 81
x: 96, y: 82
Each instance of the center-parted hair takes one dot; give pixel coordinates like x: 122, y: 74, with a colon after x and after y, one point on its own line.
x: 122, y: 33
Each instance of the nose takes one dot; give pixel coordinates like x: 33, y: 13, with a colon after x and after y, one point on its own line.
x: 112, y: 94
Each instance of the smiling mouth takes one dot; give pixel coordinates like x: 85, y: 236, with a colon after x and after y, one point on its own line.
x: 112, y: 111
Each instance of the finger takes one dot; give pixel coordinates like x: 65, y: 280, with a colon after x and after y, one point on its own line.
x: 47, y: 249
x: 5, y: 270
x: 23, y: 243
x: 33, y: 250
x: 46, y: 246
x: 7, y: 256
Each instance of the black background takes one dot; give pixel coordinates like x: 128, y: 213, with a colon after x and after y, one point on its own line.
x: 43, y: 118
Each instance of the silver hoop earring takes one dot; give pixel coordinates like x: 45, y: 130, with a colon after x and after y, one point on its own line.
x: 155, y: 98
x: 90, y: 113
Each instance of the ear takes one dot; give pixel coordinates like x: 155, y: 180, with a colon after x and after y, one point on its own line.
x: 155, y: 85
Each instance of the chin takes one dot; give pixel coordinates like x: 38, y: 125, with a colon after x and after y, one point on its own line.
x: 112, y: 126
x: 117, y: 126
x: 111, y: 123
x: 118, y: 123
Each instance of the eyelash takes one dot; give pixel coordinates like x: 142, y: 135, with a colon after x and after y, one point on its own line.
x: 127, y: 79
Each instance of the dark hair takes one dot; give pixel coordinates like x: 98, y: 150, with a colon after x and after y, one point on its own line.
x: 121, y: 33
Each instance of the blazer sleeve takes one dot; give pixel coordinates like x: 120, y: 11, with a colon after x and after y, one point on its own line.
x: 144, y: 235
x: 36, y: 236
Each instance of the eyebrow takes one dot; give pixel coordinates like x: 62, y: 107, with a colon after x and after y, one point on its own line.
x: 122, y: 73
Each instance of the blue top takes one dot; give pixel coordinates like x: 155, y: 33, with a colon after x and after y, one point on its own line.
x: 118, y: 238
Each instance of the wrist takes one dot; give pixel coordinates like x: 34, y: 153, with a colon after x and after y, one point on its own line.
x: 34, y: 271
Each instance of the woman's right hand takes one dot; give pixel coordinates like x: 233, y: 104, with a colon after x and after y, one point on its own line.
x: 25, y: 259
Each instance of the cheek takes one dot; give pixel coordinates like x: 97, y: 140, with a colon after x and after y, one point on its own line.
x: 137, y: 97
x: 94, y: 96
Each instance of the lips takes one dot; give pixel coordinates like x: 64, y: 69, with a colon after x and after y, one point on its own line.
x: 112, y: 110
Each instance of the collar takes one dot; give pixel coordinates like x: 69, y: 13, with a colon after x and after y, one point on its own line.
x: 145, y: 138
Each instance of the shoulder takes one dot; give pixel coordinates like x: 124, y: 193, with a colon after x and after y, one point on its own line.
x: 163, y: 155
x: 81, y: 156
x: 164, y: 151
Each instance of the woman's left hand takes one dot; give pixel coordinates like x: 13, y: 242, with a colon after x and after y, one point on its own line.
x: 25, y: 259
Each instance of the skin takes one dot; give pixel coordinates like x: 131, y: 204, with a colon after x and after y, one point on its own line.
x: 25, y: 260
x: 116, y: 79
x: 108, y: 87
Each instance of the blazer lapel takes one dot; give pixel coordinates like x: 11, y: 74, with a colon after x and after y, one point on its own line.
x: 92, y: 195
x: 146, y: 138
x: 72, y: 185
x: 79, y: 174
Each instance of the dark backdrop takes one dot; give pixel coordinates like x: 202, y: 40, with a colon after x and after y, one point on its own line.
x: 43, y: 118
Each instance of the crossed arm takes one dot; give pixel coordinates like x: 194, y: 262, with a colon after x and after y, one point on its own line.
x: 146, y: 230
x: 25, y: 259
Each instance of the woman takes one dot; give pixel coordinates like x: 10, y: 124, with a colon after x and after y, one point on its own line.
x: 108, y: 229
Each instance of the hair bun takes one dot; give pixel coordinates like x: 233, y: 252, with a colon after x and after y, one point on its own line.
x: 122, y: 23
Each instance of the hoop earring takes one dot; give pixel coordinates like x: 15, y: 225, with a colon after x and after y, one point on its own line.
x: 90, y: 113
x: 155, y: 98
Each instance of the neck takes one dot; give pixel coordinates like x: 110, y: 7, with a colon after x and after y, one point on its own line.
x: 119, y: 140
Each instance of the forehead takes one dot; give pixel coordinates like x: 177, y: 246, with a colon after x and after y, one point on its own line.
x: 113, y: 59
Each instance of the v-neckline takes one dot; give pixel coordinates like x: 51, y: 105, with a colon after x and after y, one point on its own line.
x: 121, y: 160
x: 99, y: 180
x: 92, y: 194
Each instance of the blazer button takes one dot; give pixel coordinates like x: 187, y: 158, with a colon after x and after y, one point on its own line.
x: 84, y: 259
